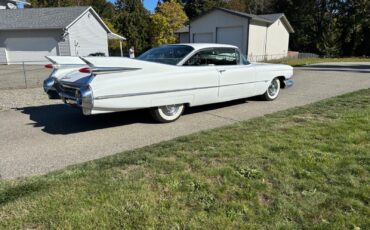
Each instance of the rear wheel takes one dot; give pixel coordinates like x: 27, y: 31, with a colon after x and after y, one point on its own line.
x: 168, y: 113
x: 273, y: 90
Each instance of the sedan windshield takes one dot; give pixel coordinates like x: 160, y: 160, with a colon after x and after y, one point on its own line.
x: 169, y: 54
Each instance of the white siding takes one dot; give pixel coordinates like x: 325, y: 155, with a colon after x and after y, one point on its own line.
x: 29, y: 45
x: 202, y: 37
x: 231, y: 35
x: 219, y: 19
x: 3, y: 57
x: 257, y: 39
x: 277, y: 40
x: 64, y: 47
x: 184, y: 38
x: 266, y: 43
x: 87, y: 36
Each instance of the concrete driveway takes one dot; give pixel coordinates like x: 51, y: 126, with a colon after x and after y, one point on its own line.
x: 40, y: 138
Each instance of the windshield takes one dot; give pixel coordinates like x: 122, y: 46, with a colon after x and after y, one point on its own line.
x: 169, y: 54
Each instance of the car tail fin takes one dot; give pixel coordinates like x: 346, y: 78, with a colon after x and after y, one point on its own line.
x: 64, y: 62
x: 104, y: 66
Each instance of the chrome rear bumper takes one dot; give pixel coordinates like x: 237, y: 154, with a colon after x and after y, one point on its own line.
x: 80, y: 96
x: 50, y: 90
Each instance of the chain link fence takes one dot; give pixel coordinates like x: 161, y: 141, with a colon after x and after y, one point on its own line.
x: 277, y: 57
x: 23, y: 75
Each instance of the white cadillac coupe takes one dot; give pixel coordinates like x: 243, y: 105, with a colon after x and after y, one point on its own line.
x: 166, y: 79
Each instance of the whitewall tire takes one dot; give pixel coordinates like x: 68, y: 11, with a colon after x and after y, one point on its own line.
x: 168, y: 113
x: 273, y: 90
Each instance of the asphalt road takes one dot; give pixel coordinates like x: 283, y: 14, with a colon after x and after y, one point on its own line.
x: 38, y: 139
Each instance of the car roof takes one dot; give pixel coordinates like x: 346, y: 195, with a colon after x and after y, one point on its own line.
x: 198, y: 46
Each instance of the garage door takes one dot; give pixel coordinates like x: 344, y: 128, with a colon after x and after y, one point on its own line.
x: 231, y: 36
x: 21, y: 49
x: 203, y: 38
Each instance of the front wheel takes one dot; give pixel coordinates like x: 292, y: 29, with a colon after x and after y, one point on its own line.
x: 168, y: 113
x: 273, y: 90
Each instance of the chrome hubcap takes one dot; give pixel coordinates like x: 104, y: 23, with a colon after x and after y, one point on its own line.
x: 170, y: 110
x: 273, y: 89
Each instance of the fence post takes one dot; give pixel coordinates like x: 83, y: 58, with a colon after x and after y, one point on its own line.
x: 24, y: 74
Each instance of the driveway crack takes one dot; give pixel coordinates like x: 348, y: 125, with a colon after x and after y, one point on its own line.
x: 225, y: 118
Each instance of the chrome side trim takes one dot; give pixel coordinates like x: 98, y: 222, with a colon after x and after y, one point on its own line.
x: 150, y: 93
x: 106, y: 70
x: 169, y: 91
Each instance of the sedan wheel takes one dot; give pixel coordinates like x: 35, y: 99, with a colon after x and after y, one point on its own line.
x: 168, y: 113
x: 273, y: 90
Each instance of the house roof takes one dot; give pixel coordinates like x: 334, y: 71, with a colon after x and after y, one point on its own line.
x: 184, y: 29
x: 271, y: 17
x: 274, y: 17
x: 39, y: 18
x: 48, y: 18
x: 265, y: 18
x: 241, y: 14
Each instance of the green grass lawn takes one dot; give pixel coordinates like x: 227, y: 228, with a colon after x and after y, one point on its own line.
x: 303, y: 168
x: 307, y: 61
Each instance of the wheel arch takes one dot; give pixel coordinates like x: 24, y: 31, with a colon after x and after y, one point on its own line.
x: 282, y: 81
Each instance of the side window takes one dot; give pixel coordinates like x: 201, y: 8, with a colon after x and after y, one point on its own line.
x: 227, y: 56
x: 203, y: 57
x: 216, y: 56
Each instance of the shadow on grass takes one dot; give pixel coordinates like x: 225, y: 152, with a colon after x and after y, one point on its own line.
x: 14, y: 193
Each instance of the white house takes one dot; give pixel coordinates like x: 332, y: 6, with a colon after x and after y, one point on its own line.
x: 31, y: 34
x: 258, y: 36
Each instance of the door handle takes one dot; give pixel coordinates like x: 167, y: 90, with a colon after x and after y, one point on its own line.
x: 222, y: 70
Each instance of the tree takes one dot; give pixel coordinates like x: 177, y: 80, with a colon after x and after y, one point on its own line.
x: 301, y: 14
x: 194, y: 8
x: 355, y: 23
x: 114, y: 46
x: 169, y: 17
x: 133, y: 21
x: 104, y: 8
x: 260, y: 6
x: 238, y: 5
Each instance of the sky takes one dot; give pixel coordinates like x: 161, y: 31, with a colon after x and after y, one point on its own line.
x: 150, y: 4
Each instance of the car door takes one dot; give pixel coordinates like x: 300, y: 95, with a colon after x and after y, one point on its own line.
x: 202, y: 72
x: 236, y: 79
